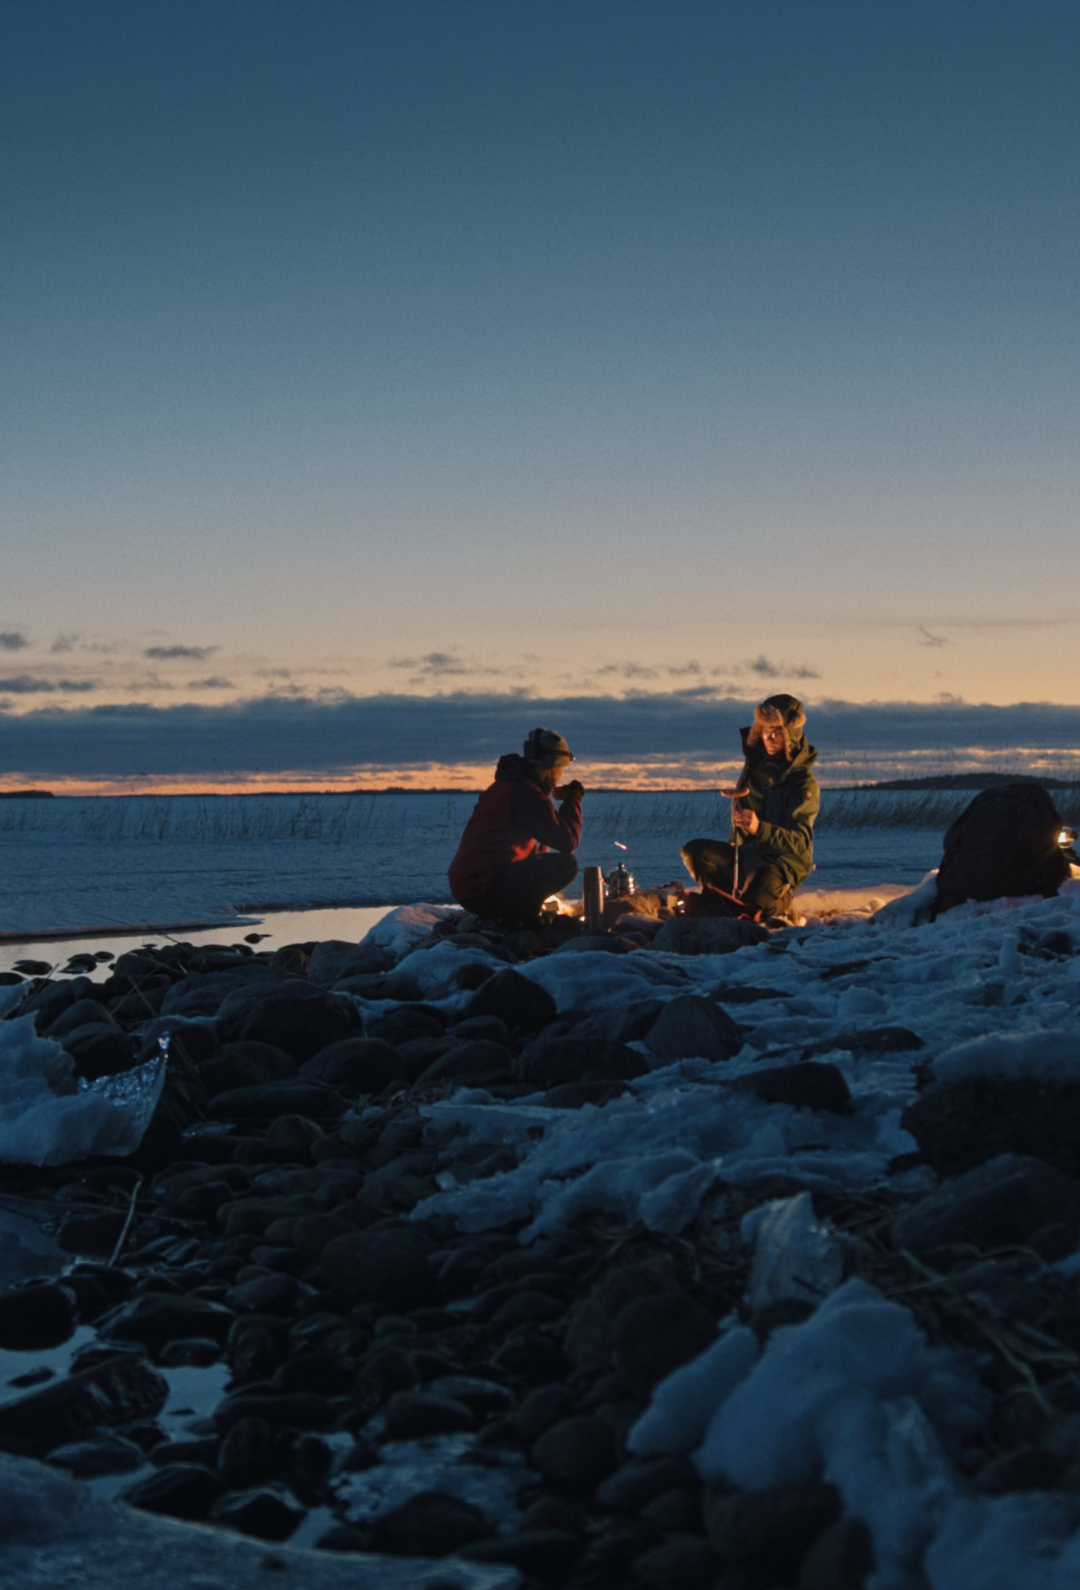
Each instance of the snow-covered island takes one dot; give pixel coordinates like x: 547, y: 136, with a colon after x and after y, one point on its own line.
x: 709, y: 1256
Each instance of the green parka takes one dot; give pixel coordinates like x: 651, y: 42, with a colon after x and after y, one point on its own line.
x: 786, y: 797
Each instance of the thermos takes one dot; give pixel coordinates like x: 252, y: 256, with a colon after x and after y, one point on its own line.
x: 593, y: 897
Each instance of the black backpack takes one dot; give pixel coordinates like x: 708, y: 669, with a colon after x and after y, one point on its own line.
x: 1004, y: 843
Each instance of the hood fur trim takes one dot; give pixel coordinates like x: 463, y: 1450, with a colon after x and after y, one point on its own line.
x: 783, y: 712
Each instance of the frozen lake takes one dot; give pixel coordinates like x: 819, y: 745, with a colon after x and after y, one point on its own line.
x: 99, y: 864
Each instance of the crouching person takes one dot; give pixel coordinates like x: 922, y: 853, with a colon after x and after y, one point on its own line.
x: 517, y: 849
x: 774, y: 806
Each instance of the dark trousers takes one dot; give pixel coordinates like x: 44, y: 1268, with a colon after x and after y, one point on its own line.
x: 524, y: 887
x: 762, y: 885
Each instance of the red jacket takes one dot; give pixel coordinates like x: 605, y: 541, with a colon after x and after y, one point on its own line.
x: 508, y: 822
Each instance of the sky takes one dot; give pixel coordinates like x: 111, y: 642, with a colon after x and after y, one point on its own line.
x: 382, y: 363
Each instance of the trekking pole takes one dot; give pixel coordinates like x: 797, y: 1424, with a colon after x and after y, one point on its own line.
x: 736, y: 840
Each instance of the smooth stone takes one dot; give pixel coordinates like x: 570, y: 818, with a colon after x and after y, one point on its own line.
x: 690, y: 1027
x: 429, y: 1524
x: 1006, y: 1201
x: 301, y: 1026
x: 653, y: 1336
x: 179, y: 1490
x: 412, y: 1415
x: 155, y: 1318
x: 807, y: 1085
x: 354, y: 1065
x: 36, y: 1317
x: 265, y: 1514
x: 116, y: 1391
x: 577, y: 1451
x: 522, y: 1004
x: 387, y: 1266
x: 105, y: 1454
x: 771, y: 1529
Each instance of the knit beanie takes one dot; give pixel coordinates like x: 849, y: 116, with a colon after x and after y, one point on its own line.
x: 544, y: 748
x: 783, y: 712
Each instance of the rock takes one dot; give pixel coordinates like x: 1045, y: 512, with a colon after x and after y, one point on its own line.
x: 807, y: 1085
x: 690, y: 1027
x: 1029, y: 1468
x: 680, y: 1563
x: 469, y: 1062
x: 637, y: 1483
x: 155, y: 1318
x: 103, y: 1454
x: 544, y: 1554
x: 245, y: 1065
x: 113, y: 1392
x: 654, y: 1335
x: 770, y: 1530
x: 326, y: 1373
x: 677, y: 1509
x: 589, y: 1338
x: 840, y: 1559
x: 492, y: 1029
x: 483, y: 1398
x: 578, y: 1451
x: 707, y: 935
x: 290, y: 1137
x: 35, y: 1317
x: 99, y: 1051
x: 291, y: 1096
x: 963, y: 1124
x: 429, y: 1524
x: 301, y: 1026
x: 191, y: 1041
x: 411, y: 1415
x: 871, y: 1040
x: 180, y: 1490
x: 264, y: 1294
x: 407, y: 1022
x: 265, y: 1514
x: 541, y: 1409
x: 294, y: 1410
x: 246, y: 1455
x: 1007, y: 1201
x: 94, y: 1234
x: 386, y: 1265
x: 50, y: 1000
x: 551, y: 1062
x: 204, y: 994
x: 83, y: 1013
x: 354, y: 1065
x: 625, y: 1026
x: 522, y: 1004
x: 333, y: 959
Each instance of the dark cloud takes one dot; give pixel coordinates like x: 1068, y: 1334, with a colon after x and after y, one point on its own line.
x: 29, y: 685
x: 770, y: 670
x: 64, y: 643
x: 277, y: 734
x: 188, y: 653
x: 927, y: 639
x: 215, y: 682
x: 435, y: 665
x: 12, y: 640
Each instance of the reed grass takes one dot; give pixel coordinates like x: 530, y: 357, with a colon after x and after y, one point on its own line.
x: 337, y: 820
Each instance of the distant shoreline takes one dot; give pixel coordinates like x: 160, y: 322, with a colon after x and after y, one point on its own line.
x: 938, y: 781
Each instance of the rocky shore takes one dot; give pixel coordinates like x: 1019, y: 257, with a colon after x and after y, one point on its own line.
x: 441, y: 1346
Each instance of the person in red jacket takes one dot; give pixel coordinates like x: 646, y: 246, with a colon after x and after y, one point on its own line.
x: 517, y: 849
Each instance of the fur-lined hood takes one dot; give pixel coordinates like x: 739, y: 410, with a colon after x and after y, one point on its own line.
x: 777, y: 712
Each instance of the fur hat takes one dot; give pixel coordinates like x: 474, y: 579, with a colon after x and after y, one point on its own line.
x: 544, y: 748
x: 779, y: 712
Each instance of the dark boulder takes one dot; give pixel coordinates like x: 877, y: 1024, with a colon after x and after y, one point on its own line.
x: 958, y: 1125
x: 301, y: 1026
x: 806, y: 1085
x: 1008, y: 1201
x: 386, y: 1264
x: 114, y: 1392
x: 690, y: 1027
x: 519, y: 1002
x: 354, y: 1065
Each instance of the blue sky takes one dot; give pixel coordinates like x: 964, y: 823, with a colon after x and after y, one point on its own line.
x: 571, y: 350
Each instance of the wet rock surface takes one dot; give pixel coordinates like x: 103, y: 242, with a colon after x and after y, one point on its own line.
x: 275, y: 1246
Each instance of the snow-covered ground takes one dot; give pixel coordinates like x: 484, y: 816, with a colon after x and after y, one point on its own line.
x: 72, y: 864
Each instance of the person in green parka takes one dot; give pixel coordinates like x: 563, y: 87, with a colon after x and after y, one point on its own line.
x: 774, y: 806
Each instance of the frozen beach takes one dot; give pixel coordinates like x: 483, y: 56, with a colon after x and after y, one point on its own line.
x: 70, y: 865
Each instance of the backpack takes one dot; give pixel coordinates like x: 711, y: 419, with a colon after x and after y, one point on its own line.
x: 1004, y: 843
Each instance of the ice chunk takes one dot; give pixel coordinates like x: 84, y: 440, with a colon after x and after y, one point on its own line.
x: 794, y: 1256
x: 46, y: 1118
x: 408, y: 925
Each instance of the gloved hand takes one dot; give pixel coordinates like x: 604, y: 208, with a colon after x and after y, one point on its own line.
x: 575, y: 787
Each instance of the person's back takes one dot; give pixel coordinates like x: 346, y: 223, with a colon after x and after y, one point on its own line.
x: 516, y: 849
